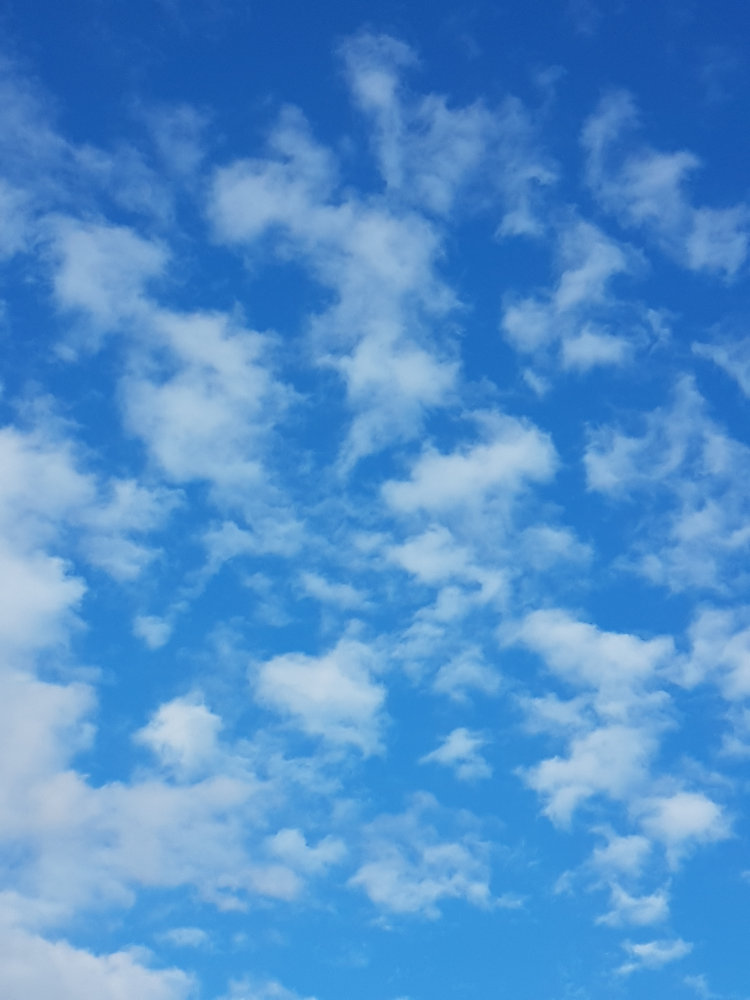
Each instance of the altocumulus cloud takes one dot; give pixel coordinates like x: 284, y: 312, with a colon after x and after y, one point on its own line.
x: 373, y: 508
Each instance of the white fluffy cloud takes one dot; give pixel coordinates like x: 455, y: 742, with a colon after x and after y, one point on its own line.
x: 410, y: 869
x: 637, y: 910
x: 435, y: 556
x: 515, y: 453
x: 333, y: 695
x: 38, y: 598
x: 720, y: 651
x: 616, y: 665
x: 621, y: 855
x: 49, y: 500
x: 291, y: 847
x: 378, y: 259
x: 43, y: 726
x: 32, y: 968
x: 682, y: 820
x: 183, y: 735
x: 103, y: 270
x: 610, y: 761
x: 208, y: 414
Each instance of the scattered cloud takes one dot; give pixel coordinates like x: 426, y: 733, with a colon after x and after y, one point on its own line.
x: 694, y: 538
x: 653, y: 954
x: 409, y: 869
x: 514, y: 453
x: 646, y: 189
x: 683, y: 820
x: 732, y: 356
x: 186, y: 937
x: 636, y: 910
x: 334, y: 696
x: 288, y: 532
x: 460, y: 751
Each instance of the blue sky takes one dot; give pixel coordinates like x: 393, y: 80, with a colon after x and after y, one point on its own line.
x: 374, y: 501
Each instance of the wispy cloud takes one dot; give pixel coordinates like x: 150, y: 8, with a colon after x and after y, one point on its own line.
x: 647, y: 189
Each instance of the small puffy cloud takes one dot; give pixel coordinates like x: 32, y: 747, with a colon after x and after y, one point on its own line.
x: 615, y: 663
x: 185, y: 937
x: 700, y: 985
x: 47, y: 498
x: 579, y: 318
x: 290, y: 846
x: 209, y: 415
x: 183, y: 735
x: 159, y: 832
x: 611, y: 728
x: 153, y: 631
x: 653, y: 954
x: 103, y: 270
x: 592, y: 347
x: 611, y: 761
x: 682, y: 820
x: 636, y: 910
x: 588, y: 260
x: 617, y: 462
x: 621, y: 855
x: 342, y: 595
x: 42, y: 485
x: 123, y: 509
x: 249, y: 196
x: 720, y: 651
x: 52, y: 173
x: 546, y: 546
x: 736, y: 743
x: 515, y: 453
x: 549, y: 713
x: 694, y: 528
x: 411, y: 868
x: 333, y: 695
x: 274, y: 529
x: 464, y: 673
x: 460, y: 751
x: 433, y: 556
x: 719, y: 239
x: 387, y: 385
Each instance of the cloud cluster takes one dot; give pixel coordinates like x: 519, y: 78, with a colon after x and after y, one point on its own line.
x: 342, y: 556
